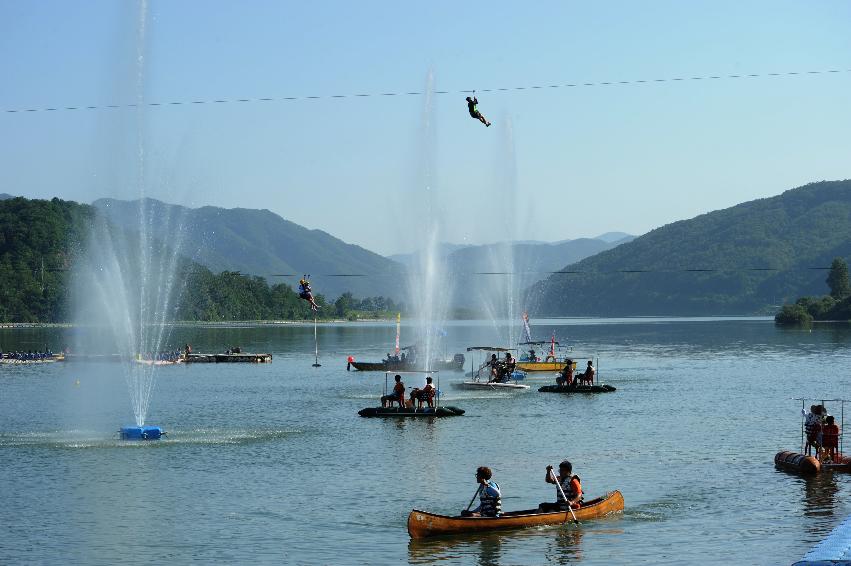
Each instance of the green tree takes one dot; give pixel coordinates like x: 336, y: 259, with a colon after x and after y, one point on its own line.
x: 837, y: 279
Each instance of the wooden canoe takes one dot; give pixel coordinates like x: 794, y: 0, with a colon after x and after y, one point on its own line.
x: 422, y: 524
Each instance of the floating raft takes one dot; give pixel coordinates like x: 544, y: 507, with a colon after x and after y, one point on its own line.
x: 600, y: 388
x: 47, y: 360
x: 406, y: 412
x: 809, y: 465
x: 228, y: 359
x: 422, y: 524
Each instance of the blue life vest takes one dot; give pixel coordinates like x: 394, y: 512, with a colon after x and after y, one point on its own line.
x: 491, y: 504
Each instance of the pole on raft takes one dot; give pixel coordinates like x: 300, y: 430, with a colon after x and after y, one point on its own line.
x: 841, y: 418
x: 803, y: 403
x: 316, y: 363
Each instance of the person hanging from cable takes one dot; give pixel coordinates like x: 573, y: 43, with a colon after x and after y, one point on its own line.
x: 306, y: 293
x: 472, y: 106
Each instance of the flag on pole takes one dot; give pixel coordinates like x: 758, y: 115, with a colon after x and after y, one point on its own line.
x: 553, y: 346
x: 527, y: 332
x: 398, y: 327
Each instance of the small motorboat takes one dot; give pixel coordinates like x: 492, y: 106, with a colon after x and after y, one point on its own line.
x: 510, y: 383
x: 422, y: 524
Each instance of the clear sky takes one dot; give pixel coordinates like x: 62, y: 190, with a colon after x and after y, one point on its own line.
x: 588, y: 159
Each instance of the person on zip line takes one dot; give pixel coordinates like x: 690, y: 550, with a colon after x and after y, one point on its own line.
x: 472, y: 107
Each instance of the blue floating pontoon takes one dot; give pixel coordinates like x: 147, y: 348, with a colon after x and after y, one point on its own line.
x: 141, y: 432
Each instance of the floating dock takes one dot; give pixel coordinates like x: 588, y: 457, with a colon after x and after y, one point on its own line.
x: 228, y: 359
x: 835, y: 549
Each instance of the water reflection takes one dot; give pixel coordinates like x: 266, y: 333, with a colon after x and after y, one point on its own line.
x: 820, y: 495
x: 566, y: 547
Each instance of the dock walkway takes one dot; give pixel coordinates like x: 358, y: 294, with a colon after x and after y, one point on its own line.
x: 834, y: 550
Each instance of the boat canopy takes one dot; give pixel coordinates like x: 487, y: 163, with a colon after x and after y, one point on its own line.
x: 489, y: 349
x: 538, y: 343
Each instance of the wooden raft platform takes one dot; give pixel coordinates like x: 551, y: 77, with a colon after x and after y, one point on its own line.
x: 228, y: 359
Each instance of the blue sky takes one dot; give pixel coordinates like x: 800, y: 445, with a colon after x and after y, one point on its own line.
x: 588, y: 159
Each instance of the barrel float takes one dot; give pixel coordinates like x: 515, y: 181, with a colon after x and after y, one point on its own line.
x: 795, y: 462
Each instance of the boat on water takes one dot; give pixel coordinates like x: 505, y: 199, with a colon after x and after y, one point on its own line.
x: 530, y: 361
x: 408, y: 412
x: 577, y: 388
x: 415, y: 406
x: 818, y: 454
x: 491, y: 385
x: 455, y: 364
x: 422, y: 524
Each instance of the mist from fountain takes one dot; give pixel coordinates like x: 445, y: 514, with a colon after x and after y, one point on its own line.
x: 500, y: 291
x: 125, y: 283
x: 429, y: 292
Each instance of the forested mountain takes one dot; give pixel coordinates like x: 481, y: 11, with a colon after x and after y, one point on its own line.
x: 757, y: 254
x: 38, y: 241
x: 259, y: 242
x: 41, y: 242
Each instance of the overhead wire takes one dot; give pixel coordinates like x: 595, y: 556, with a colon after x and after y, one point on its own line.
x: 577, y: 272
x: 419, y: 93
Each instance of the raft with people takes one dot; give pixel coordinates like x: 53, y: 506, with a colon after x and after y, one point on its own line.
x: 422, y: 401
x: 821, y: 442
x: 422, y: 524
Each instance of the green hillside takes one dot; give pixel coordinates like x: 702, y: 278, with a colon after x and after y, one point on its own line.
x: 38, y: 240
x: 259, y: 242
x: 763, y: 252
x: 41, y: 242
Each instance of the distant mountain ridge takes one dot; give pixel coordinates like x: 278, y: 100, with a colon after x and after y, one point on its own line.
x: 259, y: 242
x: 6, y: 196
x: 760, y: 254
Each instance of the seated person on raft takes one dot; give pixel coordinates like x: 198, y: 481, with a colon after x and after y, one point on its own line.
x: 570, y: 485
x: 588, y: 376
x: 565, y: 378
x: 490, y: 497
x: 396, y: 396
x: 426, y: 394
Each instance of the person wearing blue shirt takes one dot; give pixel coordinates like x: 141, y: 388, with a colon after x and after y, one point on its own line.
x: 490, y: 504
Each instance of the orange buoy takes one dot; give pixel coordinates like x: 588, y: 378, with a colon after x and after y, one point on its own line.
x: 795, y: 462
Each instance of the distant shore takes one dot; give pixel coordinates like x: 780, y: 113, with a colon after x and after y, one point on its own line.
x: 184, y: 323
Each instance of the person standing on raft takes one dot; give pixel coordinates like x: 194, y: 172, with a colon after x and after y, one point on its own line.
x: 472, y: 107
x: 490, y: 496
x: 570, y: 485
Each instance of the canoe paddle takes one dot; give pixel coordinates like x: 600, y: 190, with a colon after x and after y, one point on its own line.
x: 560, y: 490
x: 474, y: 498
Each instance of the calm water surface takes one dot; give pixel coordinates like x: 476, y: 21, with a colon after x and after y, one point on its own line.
x: 271, y: 464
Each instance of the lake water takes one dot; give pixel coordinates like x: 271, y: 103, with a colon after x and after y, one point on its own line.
x: 271, y: 464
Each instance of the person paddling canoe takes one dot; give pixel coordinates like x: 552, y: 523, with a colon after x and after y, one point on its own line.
x: 570, y: 485
x: 490, y: 504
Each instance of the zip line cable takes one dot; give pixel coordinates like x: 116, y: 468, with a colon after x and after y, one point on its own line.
x: 576, y: 272
x: 420, y: 93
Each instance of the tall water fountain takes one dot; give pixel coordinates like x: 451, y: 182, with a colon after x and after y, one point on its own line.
x: 126, y: 287
x: 429, y: 293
